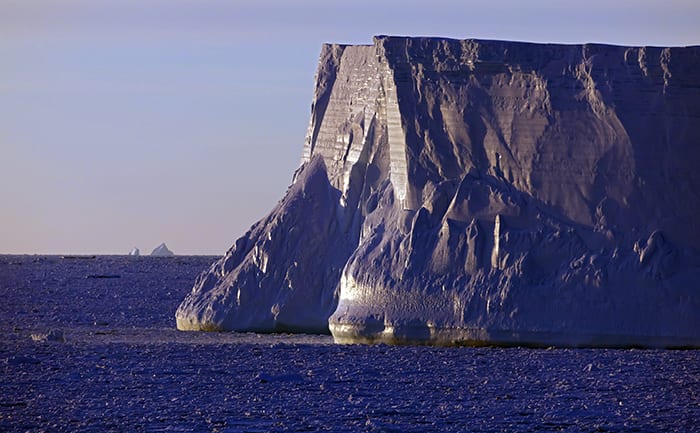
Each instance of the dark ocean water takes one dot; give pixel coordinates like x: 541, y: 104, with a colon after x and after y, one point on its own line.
x: 114, y: 362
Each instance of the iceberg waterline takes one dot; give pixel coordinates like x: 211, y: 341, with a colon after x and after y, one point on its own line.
x: 481, y: 192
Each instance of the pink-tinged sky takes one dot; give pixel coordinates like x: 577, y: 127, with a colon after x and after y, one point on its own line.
x: 129, y: 123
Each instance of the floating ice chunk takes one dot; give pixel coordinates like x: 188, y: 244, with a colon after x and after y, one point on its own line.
x: 54, y: 335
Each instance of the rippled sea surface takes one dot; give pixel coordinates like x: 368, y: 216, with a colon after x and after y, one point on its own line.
x: 88, y: 344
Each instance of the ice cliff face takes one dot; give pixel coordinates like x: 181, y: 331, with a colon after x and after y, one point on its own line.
x: 481, y: 192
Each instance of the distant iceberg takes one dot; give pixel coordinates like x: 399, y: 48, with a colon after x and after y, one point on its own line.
x: 162, y: 250
x: 135, y: 252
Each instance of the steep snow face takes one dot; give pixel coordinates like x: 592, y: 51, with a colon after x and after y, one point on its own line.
x: 282, y: 275
x: 482, y: 192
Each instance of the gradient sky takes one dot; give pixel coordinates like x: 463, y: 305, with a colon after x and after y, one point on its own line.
x: 133, y: 122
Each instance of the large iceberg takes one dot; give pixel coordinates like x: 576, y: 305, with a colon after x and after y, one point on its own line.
x: 481, y: 192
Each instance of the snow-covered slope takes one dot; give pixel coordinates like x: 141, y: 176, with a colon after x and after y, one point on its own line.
x: 481, y: 192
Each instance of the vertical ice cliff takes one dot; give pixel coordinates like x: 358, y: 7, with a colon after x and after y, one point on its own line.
x: 481, y: 192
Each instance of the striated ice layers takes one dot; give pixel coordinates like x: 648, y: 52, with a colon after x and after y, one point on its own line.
x: 481, y: 192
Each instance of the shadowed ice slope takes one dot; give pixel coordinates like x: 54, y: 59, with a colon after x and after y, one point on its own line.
x: 481, y: 192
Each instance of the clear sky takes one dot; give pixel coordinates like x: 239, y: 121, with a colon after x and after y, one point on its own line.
x: 134, y: 122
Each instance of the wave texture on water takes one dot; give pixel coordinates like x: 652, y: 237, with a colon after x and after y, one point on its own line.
x: 121, y: 366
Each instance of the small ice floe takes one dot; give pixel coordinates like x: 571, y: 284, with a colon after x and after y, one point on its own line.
x: 102, y: 276
x: 54, y: 335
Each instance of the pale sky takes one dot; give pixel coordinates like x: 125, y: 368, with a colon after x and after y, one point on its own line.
x: 129, y: 123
